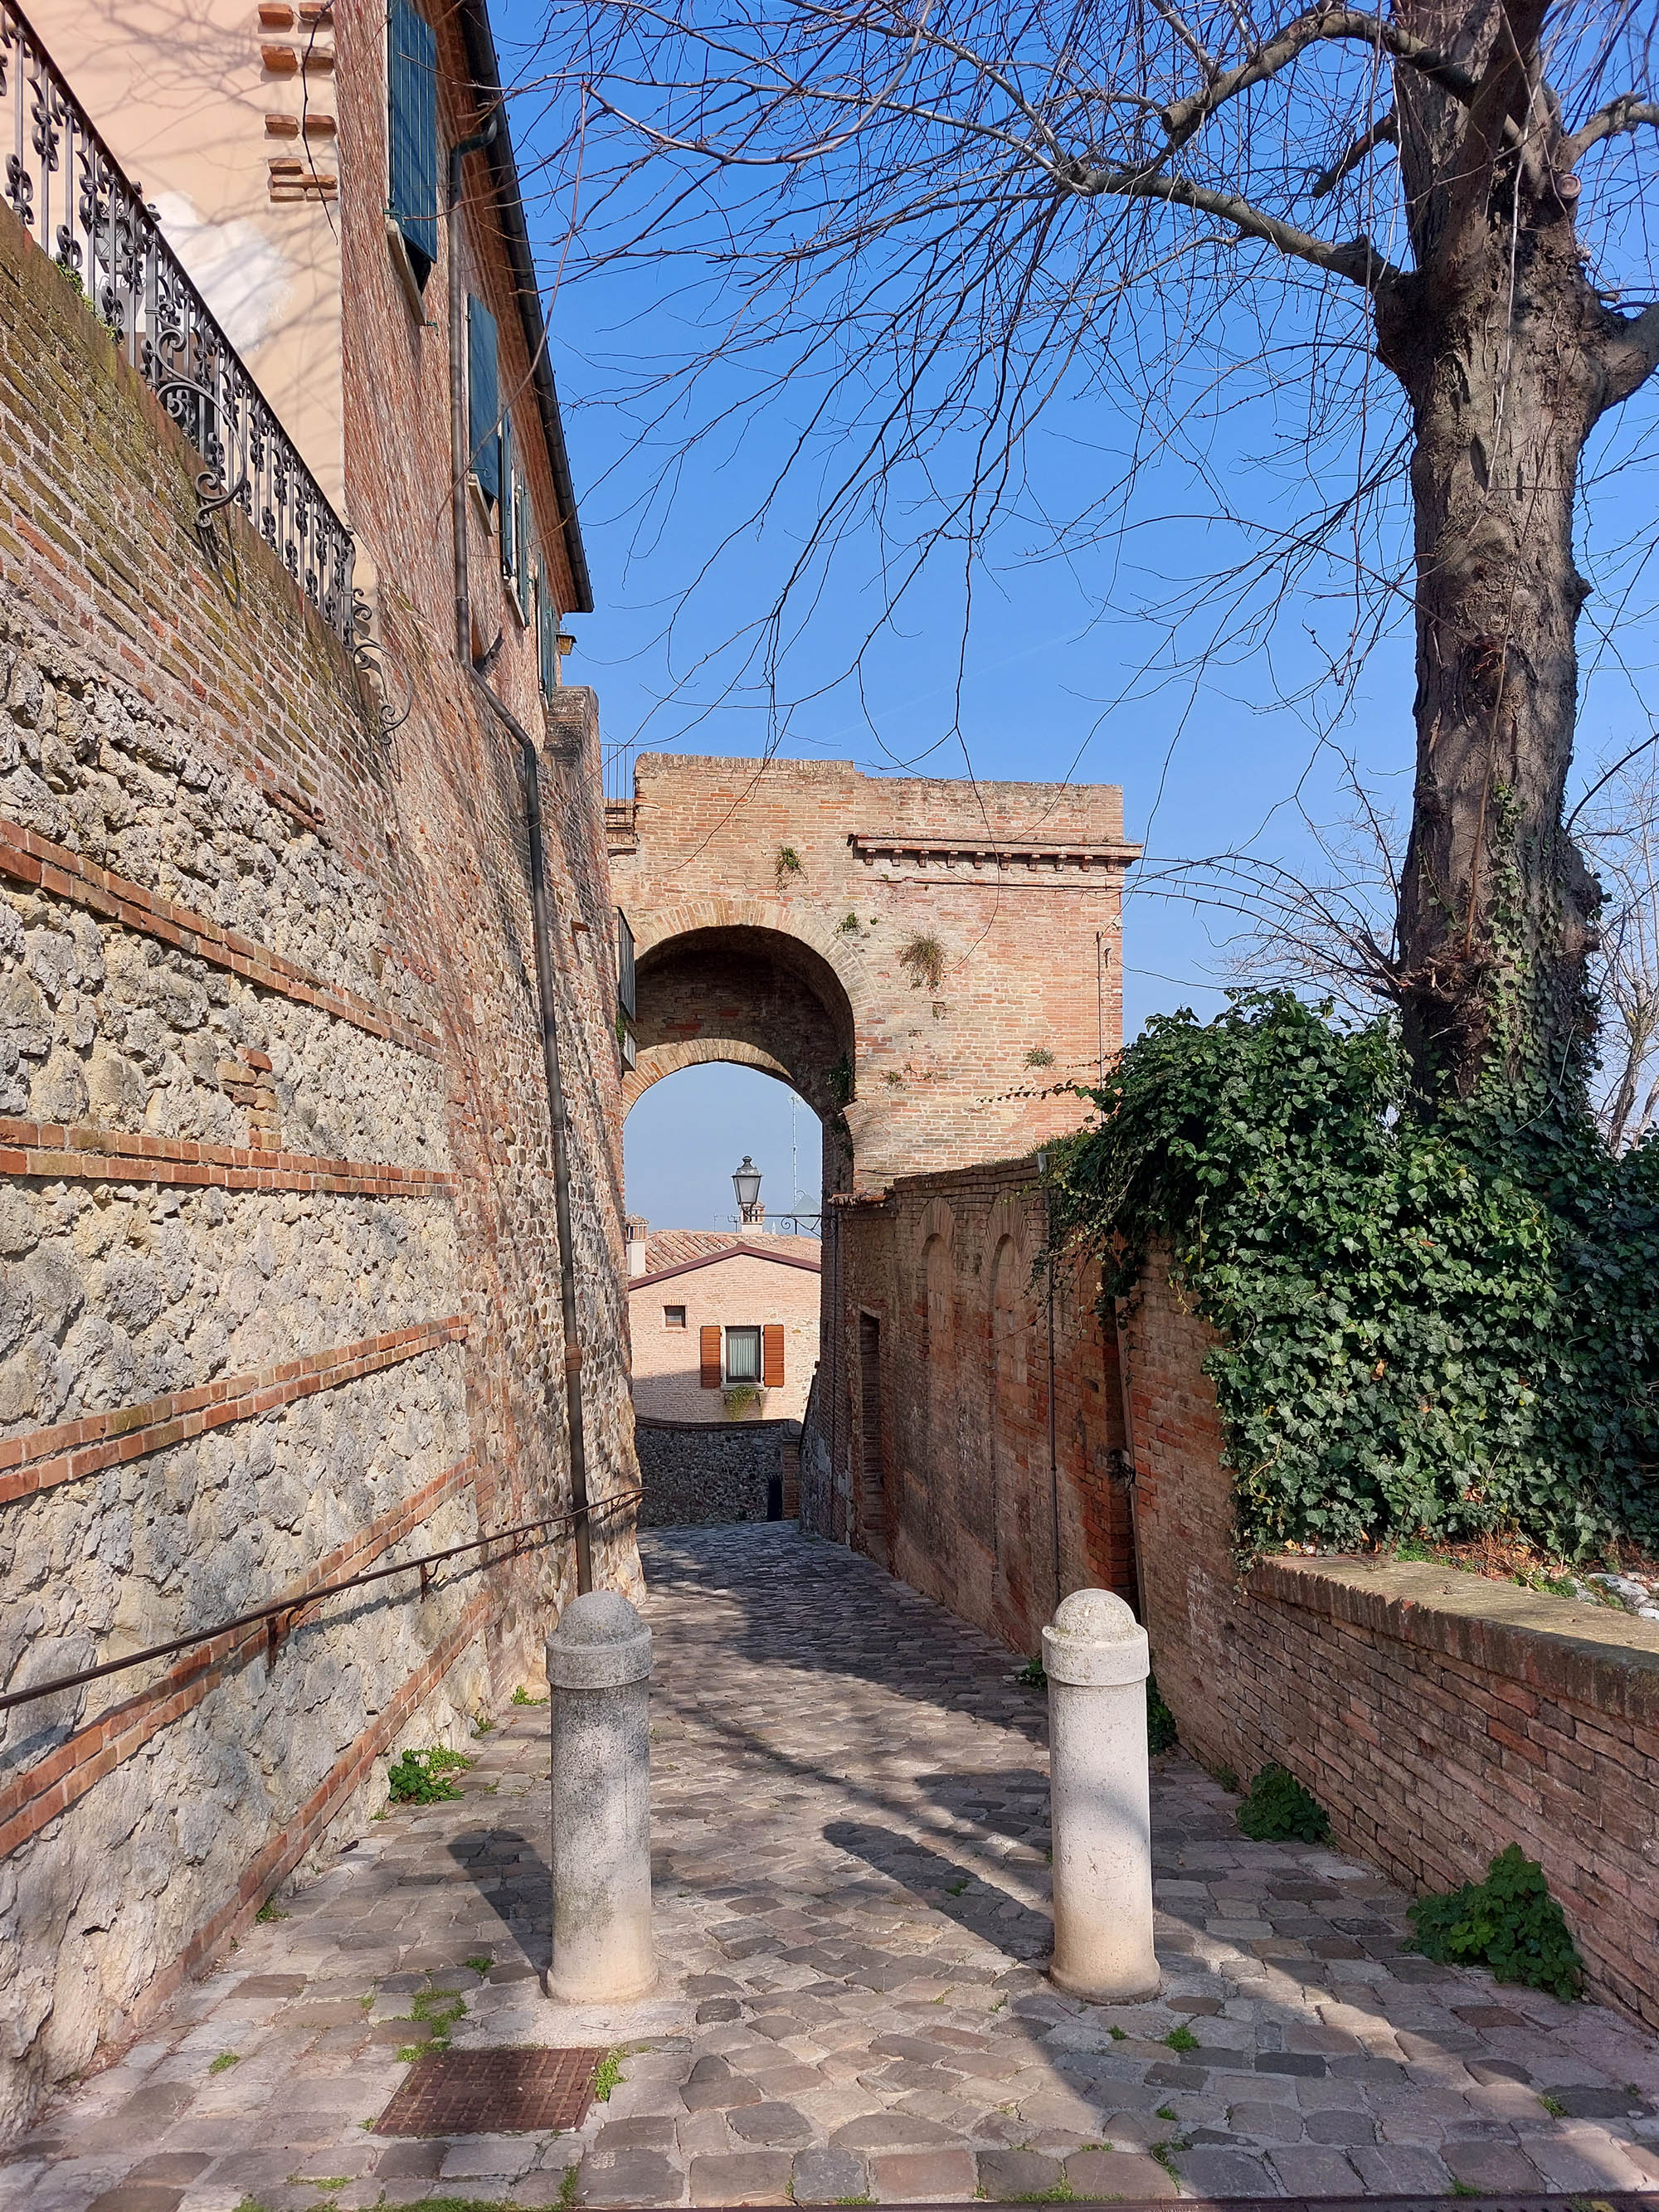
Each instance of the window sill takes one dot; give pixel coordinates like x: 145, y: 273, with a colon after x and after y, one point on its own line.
x: 407, y: 280
x: 510, y: 593
x: 481, y: 506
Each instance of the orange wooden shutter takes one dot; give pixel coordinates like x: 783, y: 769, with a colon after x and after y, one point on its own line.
x: 772, y: 1355
x: 708, y: 1358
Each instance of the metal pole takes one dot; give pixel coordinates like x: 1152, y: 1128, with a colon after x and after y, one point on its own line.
x: 559, y: 1124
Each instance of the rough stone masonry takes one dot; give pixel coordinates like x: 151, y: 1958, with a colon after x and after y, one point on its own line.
x: 279, y: 1299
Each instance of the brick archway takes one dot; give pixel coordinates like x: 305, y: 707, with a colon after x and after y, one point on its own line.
x: 933, y: 965
x: 741, y: 991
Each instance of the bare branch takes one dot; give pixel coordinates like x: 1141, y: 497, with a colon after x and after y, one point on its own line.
x: 1627, y: 113
x: 1632, y: 352
x: 1385, y: 132
x: 1183, y: 117
x: 1358, y: 260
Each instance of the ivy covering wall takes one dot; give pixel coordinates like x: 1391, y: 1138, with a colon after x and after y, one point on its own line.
x: 1430, y: 1326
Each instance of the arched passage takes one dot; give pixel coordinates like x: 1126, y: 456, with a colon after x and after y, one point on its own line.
x: 756, y: 996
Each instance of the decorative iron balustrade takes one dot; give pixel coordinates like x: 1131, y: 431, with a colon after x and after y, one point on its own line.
x: 65, y: 186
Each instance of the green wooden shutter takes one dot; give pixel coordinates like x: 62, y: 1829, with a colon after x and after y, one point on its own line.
x: 547, y: 630
x: 509, y: 484
x: 522, y: 535
x: 482, y: 399
x: 413, y: 132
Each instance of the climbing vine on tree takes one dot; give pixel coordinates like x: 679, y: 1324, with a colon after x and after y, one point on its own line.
x: 1429, y: 1325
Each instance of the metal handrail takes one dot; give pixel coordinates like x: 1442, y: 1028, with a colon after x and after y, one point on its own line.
x: 106, y: 240
x: 278, y: 1607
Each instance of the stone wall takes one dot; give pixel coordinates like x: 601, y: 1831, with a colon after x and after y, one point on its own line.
x: 930, y: 1442
x: 696, y: 1473
x: 280, y: 1290
x: 1435, y: 1714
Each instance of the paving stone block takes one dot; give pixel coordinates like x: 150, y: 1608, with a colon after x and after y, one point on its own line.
x: 1227, y: 2173
x: 825, y: 2175
x: 935, y: 2175
x: 752, y: 2177
x: 1099, y: 2174
x: 1312, y: 2170
x: 629, y: 2178
x: 778, y: 2125
x: 1005, y: 2176
x: 1494, y: 2168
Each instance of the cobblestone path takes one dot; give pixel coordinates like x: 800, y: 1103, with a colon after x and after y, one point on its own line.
x: 850, y: 1822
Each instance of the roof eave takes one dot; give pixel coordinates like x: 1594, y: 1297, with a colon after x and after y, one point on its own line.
x: 487, y: 78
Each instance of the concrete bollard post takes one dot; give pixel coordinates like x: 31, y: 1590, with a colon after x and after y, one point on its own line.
x: 599, y: 1672
x: 1096, y: 1656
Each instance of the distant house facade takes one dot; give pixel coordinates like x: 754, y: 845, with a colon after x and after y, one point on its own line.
x: 725, y: 1327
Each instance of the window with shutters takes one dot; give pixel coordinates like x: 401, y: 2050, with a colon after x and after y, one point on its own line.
x: 708, y: 1356
x: 412, y: 135
x: 547, y: 634
x: 772, y: 1355
x: 743, y: 1355
x: 484, y: 401
x: 510, y: 504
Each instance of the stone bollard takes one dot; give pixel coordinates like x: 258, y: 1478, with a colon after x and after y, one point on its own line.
x: 598, y: 1674
x: 1097, y: 1660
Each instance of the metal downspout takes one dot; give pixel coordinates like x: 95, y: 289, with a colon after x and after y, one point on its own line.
x: 558, y: 1119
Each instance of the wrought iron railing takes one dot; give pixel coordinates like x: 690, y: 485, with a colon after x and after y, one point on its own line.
x: 63, y: 182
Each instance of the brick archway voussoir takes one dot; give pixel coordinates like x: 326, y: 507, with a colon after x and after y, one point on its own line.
x: 658, y: 1061
x: 655, y: 926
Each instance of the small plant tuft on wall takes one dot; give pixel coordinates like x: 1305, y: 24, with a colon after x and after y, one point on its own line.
x: 848, y: 925
x: 1039, y: 1056
x: 923, y: 957
x: 1509, y: 1923
x: 788, y: 863
x: 1280, y: 1810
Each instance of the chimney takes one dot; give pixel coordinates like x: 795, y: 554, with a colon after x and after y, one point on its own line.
x: 636, y: 1230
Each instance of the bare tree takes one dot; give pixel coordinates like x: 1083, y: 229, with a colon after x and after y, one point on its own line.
x: 957, y: 210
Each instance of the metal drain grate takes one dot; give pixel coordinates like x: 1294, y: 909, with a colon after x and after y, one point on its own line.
x: 492, y: 2093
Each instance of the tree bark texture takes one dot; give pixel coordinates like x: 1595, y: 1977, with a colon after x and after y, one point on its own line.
x: 1508, y: 357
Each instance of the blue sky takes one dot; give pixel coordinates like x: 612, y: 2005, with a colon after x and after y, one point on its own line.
x: 1046, y: 686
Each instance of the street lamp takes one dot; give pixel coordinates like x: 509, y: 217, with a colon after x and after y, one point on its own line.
x: 746, y: 1182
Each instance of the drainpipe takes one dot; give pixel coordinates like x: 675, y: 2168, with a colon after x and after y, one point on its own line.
x: 1054, y: 1454
x: 457, y: 449
x: 557, y: 1117
x: 559, y: 1122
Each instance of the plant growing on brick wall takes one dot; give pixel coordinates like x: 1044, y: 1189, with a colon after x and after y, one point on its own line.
x: 1162, y: 1734
x: 923, y: 959
x: 1039, y: 1056
x: 1280, y: 1810
x: 788, y: 863
x: 738, y: 1397
x: 1429, y: 1327
x: 1509, y: 1923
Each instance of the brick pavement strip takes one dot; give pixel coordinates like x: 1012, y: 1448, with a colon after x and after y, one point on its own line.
x: 851, y: 1867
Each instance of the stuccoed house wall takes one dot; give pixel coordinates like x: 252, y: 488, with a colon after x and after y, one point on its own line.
x: 732, y: 1283
x: 280, y: 1296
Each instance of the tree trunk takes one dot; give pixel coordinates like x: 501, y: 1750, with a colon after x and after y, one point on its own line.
x: 1497, y: 908
x: 1508, y: 356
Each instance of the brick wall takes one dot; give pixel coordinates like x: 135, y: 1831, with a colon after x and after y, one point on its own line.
x: 280, y: 1292
x: 800, y: 970
x: 1436, y: 1716
x: 937, y: 1365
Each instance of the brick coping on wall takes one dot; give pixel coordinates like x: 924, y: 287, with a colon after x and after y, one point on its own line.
x: 1558, y: 1647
